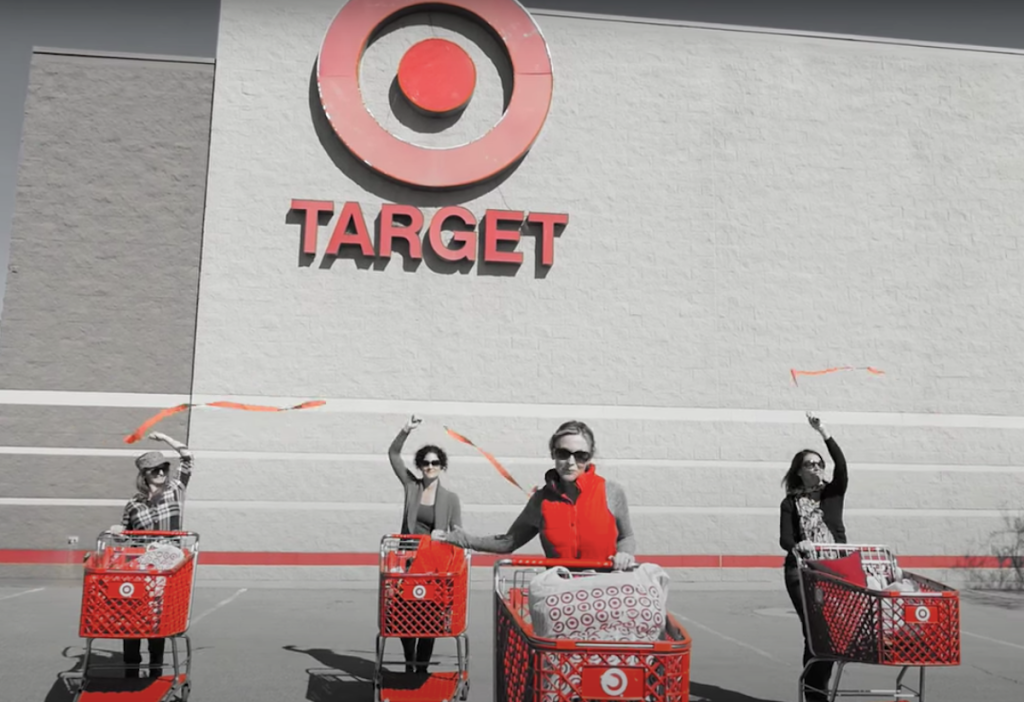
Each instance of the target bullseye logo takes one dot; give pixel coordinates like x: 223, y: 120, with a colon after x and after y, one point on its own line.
x: 126, y: 590
x: 919, y: 614
x: 438, y: 78
x: 614, y: 682
x: 424, y: 64
x: 419, y: 592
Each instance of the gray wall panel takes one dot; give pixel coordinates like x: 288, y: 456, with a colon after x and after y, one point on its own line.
x: 28, y: 527
x: 86, y: 477
x: 105, y: 249
x: 80, y: 427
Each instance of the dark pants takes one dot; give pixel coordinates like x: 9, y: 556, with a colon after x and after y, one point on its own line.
x: 419, y: 655
x: 820, y: 673
x: 133, y: 657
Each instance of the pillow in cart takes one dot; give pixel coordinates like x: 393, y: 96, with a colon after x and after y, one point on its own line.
x: 849, y: 568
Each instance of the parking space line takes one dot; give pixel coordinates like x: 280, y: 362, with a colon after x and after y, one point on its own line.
x: 217, y: 606
x: 730, y: 639
x: 24, y: 592
x: 989, y: 638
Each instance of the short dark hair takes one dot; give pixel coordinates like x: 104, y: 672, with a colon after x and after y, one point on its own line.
x: 421, y: 455
x: 792, y: 481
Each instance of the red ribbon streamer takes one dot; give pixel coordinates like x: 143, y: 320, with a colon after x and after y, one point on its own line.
x: 794, y: 372
x: 164, y: 414
x: 493, y: 461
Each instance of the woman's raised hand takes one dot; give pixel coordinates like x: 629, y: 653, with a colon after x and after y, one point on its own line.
x: 413, y: 423
x: 815, y: 422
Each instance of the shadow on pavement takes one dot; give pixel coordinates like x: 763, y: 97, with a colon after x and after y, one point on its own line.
x: 59, y: 692
x: 344, y: 679
x: 710, y: 693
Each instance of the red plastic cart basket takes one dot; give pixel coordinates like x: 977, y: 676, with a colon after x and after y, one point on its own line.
x: 846, y: 623
x: 424, y: 593
x: 136, y: 586
x: 424, y: 587
x: 529, y: 668
x: 124, y: 599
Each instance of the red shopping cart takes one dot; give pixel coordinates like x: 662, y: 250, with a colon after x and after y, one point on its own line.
x: 850, y: 623
x: 528, y: 668
x: 138, y: 585
x: 424, y: 593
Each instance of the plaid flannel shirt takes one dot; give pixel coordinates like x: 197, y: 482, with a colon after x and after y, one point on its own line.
x: 162, y: 511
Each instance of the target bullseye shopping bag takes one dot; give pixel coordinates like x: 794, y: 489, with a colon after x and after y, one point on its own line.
x: 618, y: 606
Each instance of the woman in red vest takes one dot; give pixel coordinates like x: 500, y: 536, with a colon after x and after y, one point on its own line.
x: 577, y: 513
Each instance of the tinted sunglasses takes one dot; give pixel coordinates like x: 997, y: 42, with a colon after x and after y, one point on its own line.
x: 814, y: 464
x: 159, y: 469
x: 565, y: 454
x: 432, y: 464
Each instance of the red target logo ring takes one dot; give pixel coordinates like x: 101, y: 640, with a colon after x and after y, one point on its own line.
x: 479, y: 160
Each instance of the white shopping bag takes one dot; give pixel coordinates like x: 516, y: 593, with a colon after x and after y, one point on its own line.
x: 618, y: 606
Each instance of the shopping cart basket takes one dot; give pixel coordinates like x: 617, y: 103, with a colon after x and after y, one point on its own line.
x: 846, y: 623
x: 528, y: 668
x: 424, y: 593
x: 138, y: 585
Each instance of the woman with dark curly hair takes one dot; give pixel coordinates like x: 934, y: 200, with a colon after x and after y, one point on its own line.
x: 428, y: 506
x: 812, y: 513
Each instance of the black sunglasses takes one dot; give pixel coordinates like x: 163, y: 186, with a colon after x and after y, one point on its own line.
x: 814, y: 464
x: 565, y: 454
x: 435, y: 464
x: 159, y: 469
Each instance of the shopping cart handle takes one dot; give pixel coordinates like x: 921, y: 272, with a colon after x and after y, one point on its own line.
x: 527, y: 561
x: 154, y: 533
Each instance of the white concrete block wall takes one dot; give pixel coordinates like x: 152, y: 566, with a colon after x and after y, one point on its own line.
x: 740, y: 205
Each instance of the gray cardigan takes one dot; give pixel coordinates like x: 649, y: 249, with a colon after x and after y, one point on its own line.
x: 447, y: 509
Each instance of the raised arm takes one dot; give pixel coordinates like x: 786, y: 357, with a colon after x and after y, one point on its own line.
x: 395, y: 451
x: 185, y: 465
x: 840, y: 475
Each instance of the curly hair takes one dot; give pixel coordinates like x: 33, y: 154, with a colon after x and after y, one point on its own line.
x: 421, y: 456
x: 573, y: 427
x: 793, y: 481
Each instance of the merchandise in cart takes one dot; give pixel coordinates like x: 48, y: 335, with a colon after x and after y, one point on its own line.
x: 888, y: 617
x: 138, y: 585
x: 531, y: 668
x: 424, y: 593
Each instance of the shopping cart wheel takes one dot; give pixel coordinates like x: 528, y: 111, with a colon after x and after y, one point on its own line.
x: 186, y: 690
x: 465, y: 692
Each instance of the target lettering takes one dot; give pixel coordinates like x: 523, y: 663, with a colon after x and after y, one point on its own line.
x: 493, y: 238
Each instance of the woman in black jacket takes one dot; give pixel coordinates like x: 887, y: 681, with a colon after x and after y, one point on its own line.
x: 812, y: 513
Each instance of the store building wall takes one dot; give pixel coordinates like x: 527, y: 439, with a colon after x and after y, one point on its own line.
x: 102, y: 291
x: 740, y: 205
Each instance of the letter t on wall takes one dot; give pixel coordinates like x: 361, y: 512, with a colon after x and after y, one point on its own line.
x: 313, y: 210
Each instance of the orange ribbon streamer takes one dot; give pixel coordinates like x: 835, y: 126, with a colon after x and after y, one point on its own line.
x: 794, y: 372
x: 493, y: 461
x: 164, y: 414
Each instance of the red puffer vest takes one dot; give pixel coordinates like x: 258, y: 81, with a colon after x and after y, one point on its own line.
x: 585, y: 530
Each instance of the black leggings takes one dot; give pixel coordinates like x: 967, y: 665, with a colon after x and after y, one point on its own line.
x: 420, y: 655
x: 133, y: 657
x: 821, y: 672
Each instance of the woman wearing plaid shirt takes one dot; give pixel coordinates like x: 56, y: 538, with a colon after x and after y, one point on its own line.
x: 157, y: 506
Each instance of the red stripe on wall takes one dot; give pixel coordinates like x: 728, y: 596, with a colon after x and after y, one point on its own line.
x: 279, y: 558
